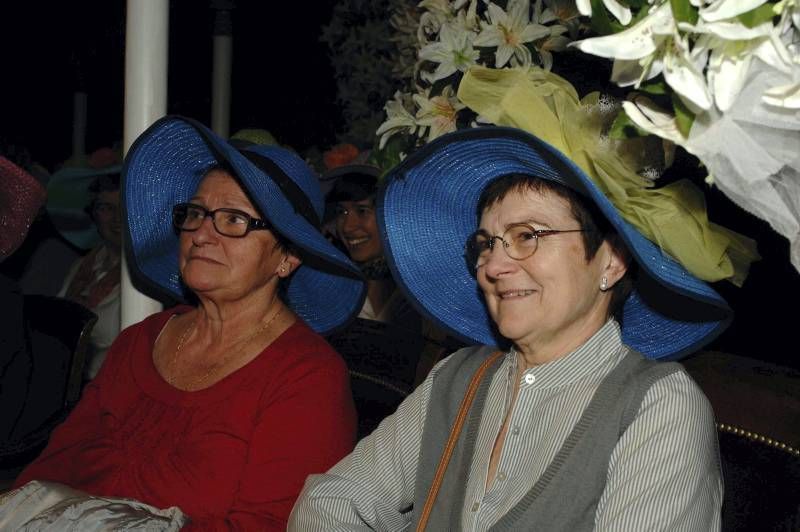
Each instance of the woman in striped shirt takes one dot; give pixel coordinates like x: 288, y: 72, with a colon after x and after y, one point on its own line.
x: 571, y: 424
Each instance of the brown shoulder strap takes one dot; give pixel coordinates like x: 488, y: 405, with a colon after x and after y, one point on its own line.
x: 466, y: 402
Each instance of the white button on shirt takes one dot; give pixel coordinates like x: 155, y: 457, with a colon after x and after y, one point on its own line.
x: 530, y: 378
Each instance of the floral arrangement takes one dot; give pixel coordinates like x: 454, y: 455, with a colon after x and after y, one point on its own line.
x: 449, y: 38
x: 719, y: 78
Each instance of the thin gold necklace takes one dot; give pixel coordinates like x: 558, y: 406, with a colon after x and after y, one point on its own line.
x: 201, y: 379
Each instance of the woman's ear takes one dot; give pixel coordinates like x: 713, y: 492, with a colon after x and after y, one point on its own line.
x: 615, y: 263
x: 289, y: 264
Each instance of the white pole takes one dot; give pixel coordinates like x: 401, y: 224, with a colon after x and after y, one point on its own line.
x: 221, y: 73
x: 146, y: 46
x: 79, y: 128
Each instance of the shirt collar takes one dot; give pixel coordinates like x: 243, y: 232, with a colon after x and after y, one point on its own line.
x: 600, y: 351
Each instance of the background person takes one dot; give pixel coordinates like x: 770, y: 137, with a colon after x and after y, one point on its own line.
x: 570, y: 428
x: 221, y: 408
x: 94, y: 280
x: 21, y: 196
x: 390, y: 341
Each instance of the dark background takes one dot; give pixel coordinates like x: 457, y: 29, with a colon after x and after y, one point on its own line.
x: 283, y: 82
x: 282, y: 79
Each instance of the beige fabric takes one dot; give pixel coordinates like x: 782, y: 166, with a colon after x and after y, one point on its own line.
x: 52, y: 507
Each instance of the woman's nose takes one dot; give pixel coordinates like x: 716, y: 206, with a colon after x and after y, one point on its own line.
x: 350, y: 221
x: 498, y: 262
x: 205, y: 233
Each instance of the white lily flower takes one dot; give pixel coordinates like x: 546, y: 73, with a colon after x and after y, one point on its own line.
x: 453, y: 52
x: 732, y: 46
x: 398, y: 120
x: 621, y: 12
x: 639, y: 41
x: 727, y: 9
x: 651, y: 47
x: 468, y: 20
x: 509, y: 31
x: 438, y: 113
x: 435, y: 14
x: 563, y: 10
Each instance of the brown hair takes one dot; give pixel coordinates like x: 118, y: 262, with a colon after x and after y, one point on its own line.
x: 596, y: 227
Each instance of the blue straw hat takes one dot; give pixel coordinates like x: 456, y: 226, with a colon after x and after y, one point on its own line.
x: 428, y: 209
x: 165, y: 166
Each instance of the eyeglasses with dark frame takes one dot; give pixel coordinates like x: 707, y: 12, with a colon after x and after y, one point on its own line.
x: 227, y: 222
x: 520, y: 241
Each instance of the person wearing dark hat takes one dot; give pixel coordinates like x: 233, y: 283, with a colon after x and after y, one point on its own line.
x: 21, y: 196
x: 559, y: 419
x: 224, y: 405
x: 94, y: 279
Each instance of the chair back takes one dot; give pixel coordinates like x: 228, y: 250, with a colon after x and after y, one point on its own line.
x: 757, y: 407
x: 49, y: 373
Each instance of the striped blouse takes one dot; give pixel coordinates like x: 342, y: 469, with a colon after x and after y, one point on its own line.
x: 664, y: 473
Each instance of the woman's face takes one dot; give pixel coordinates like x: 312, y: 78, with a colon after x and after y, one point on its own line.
x: 552, y: 300
x: 105, y: 212
x: 357, y: 228
x: 222, y: 267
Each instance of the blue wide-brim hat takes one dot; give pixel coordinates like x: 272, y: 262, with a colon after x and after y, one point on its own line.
x: 165, y: 166
x: 427, y: 210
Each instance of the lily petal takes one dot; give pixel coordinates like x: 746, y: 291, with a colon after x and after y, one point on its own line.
x: 648, y: 116
x: 787, y: 96
x: 584, y: 7
x: 621, y: 12
x: 682, y: 75
x: 626, y: 73
x: 727, y: 75
x: 636, y: 42
x: 725, y: 9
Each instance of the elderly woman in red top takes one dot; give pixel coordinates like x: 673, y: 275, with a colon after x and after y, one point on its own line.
x: 221, y: 407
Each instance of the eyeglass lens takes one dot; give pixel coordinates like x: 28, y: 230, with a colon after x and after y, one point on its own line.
x: 228, y: 222
x: 519, y: 242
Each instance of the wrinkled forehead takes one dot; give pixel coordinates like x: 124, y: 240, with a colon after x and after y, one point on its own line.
x: 521, y: 190
x: 539, y: 207
x: 223, y: 183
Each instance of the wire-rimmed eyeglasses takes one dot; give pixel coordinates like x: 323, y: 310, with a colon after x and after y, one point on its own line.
x: 519, y: 240
x: 227, y: 222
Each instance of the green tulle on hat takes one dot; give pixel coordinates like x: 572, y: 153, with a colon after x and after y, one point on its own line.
x: 673, y: 216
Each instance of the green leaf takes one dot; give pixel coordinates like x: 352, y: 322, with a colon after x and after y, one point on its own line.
x: 654, y: 87
x: 684, y: 117
x: 755, y: 17
x: 601, y: 22
x: 389, y: 156
x: 624, y: 128
x: 683, y: 11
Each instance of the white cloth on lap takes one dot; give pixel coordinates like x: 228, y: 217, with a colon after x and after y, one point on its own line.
x: 51, y: 507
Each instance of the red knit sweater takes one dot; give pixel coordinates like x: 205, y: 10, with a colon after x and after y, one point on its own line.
x: 233, y: 456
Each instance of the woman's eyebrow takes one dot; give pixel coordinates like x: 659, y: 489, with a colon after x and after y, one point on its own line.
x: 530, y: 221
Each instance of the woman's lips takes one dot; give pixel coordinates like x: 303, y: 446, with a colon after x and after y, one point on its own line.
x: 355, y: 242
x: 205, y: 259
x: 515, y: 294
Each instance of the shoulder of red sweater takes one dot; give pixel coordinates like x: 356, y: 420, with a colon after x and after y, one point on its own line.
x: 301, y: 344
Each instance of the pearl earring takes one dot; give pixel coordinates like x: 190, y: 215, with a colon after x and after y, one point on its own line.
x: 604, y: 284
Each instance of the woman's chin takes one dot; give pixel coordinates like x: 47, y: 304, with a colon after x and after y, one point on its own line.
x: 513, y: 328
x: 200, y: 284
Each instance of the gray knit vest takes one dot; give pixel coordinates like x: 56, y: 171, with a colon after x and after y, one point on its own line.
x: 565, y: 497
